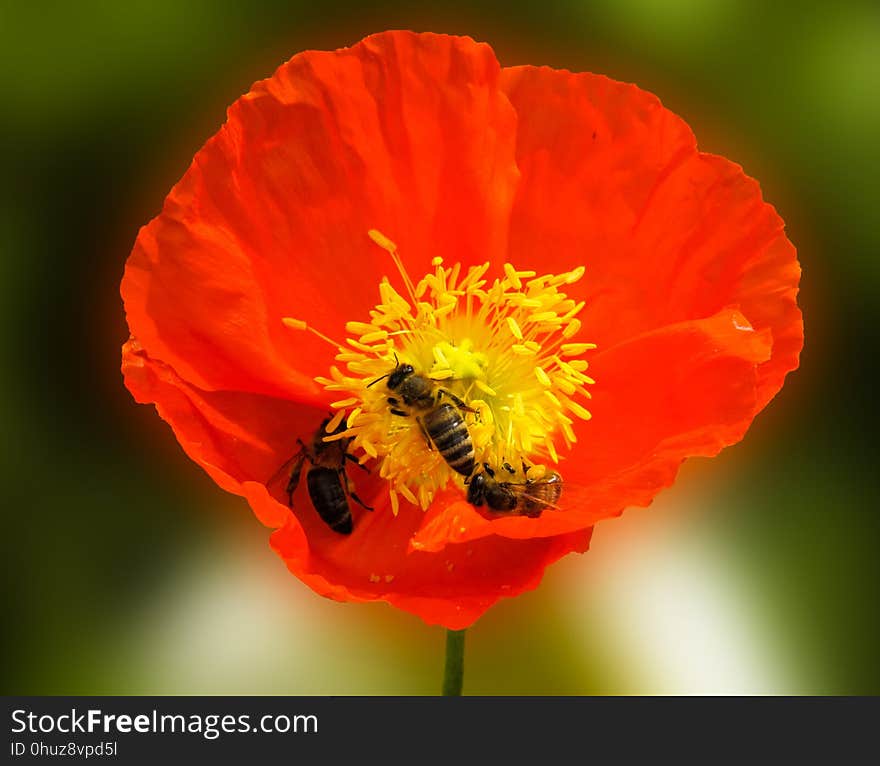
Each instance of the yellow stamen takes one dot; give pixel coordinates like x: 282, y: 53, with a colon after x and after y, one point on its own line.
x: 573, y: 328
x: 503, y: 347
x: 299, y: 324
x: 386, y: 244
x: 334, y: 422
x: 514, y: 328
x: 576, y: 349
x: 485, y: 387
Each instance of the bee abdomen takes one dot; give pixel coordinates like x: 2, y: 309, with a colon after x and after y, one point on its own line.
x: 329, y: 500
x: 451, y: 437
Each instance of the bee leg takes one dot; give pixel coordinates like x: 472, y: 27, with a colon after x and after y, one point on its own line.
x: 295, y: 472
x: 401, y: 413
x: 347, y: 484
x: 456, y: 401
x: 349, y: 456
x: 425, y: 433
x: 360, y: 502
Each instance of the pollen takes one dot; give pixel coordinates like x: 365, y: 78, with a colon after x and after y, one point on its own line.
x: 503, y: 352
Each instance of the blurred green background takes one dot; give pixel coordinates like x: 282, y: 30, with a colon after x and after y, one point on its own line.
x: 127, y: 571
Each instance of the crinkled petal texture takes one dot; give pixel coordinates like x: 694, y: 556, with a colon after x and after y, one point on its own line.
x: 690, y: 292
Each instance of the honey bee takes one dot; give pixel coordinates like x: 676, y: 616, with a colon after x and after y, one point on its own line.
x: 527, y: 498
x: 327, y: 481
x: 442, y: 423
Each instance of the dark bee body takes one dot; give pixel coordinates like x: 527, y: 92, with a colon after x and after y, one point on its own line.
x: 442, y: 423
x: 417, y: 391
x: 484, y: 490
x: 528, y: 498
x: 328, y: 484
x: 328, y: 497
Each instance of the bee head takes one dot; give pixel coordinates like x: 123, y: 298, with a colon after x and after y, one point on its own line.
x: 400, y: 373
x: 477, y: 489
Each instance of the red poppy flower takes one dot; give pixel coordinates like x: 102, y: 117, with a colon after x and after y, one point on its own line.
x: 668, y: 260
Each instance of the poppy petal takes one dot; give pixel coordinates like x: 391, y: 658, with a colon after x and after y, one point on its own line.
x: 409, y: 134
x: 452, y: 588
x: 612, y: 179
x: 237, y: 439
x: 690, y: 293
x: 683, y: 390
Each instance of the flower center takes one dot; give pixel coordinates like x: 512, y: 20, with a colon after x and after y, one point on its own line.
x: 501, y: 354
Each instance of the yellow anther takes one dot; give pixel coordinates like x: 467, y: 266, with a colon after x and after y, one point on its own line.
x: 553, y: 398
x: 407, y: 493
x: 563, y: 384
x: 334, y: 422
x: 572, y: 328
x: 574, y: 407
x: 369, y: 448
x: 576, y: 349
x: 372, y: 337
x: 298, y: 324
x: 514, y: 328
x: 574, y: 311
x: 485, y: 387
x: 512, y: 277
x: 358, y: 328
x: 353, y: 416
x: 380, y: 239
x: 294, y: 324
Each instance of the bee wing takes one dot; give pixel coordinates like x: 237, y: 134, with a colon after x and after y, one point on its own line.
x: 521, y: 490
x: 281, y: 478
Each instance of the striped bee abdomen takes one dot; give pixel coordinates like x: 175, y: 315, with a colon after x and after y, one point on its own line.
x: 447, y: 429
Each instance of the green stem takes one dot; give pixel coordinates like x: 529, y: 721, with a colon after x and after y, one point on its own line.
x: 453, y: 674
